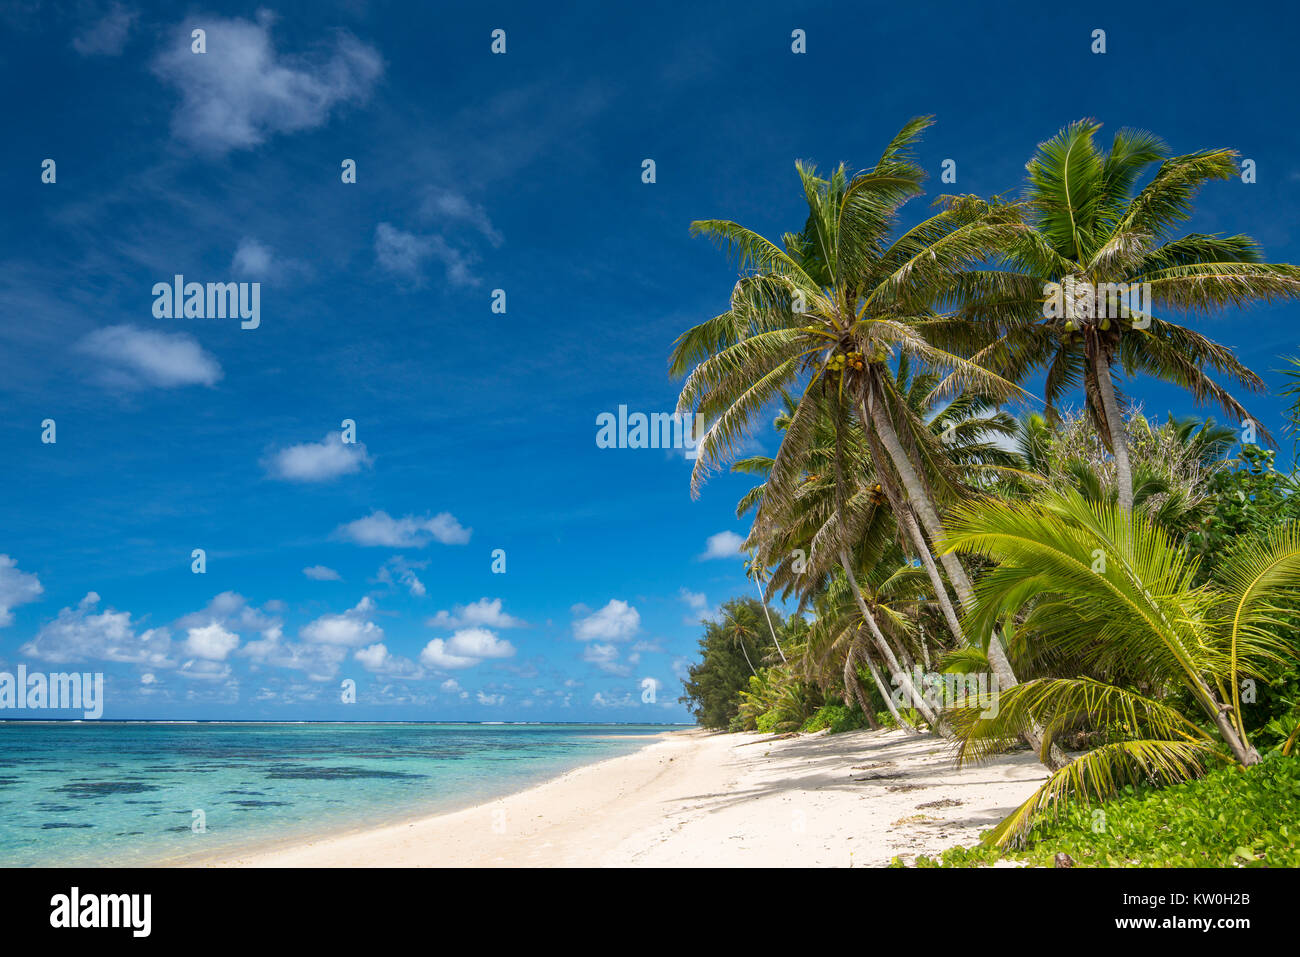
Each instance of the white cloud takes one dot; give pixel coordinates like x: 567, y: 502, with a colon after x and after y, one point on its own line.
x: 485, y: 612
x: 605, y: 657
x: 723, y: 545
x: 695, y: 599
x: 133, y: 358
x: 377, y: 659
x: 617, y: 621
x: 490, y: 699
x: 82, y: 634
x: 255, y: 260
x: 318, y: 662
x: 107, y: 36
x: 410, y: 531
x: 321, y: 573
x: 446, y: 204
x: 698, y: 605
x: 231, y: 611
x: 450, y: 685
x: 16, y: 588
x: 466, y: 648
x: 348, y: 629
x: 318, y: 461
x: 242, y: 91
x: 148, y: 678
x: 398, y: 569
x: 211, y: 642
x: 404, y: 254
x: 204, y: 670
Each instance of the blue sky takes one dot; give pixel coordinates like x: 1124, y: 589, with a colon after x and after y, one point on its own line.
x: 475, y: 430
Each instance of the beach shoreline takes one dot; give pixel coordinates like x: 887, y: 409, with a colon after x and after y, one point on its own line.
x: 697, y: 798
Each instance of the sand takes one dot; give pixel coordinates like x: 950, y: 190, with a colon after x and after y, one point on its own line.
x: 697, y: 799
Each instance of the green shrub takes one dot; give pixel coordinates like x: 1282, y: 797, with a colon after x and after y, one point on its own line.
x: 837, y: 717
x: 1232, y: 817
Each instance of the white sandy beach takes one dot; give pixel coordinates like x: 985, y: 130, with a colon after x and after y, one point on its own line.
x: 698, y: 799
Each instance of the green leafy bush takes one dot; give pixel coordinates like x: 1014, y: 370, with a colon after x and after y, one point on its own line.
x: 1232, y: 817
x: 837, y: 717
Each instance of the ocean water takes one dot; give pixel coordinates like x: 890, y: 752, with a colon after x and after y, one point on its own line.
x: 101, y: 793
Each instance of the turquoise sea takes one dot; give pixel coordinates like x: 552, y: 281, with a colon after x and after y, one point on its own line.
x: 119, y: 793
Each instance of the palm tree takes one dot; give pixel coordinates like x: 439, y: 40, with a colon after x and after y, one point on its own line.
x: 1142, y: 635
x: 756, y: 572
x: 1096, y: 244
x: 833, y: 305
x: 740, y: 624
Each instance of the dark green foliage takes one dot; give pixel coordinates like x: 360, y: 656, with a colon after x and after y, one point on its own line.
x: 837, y: 717
x: 1250, y: 496
x: 713, y: 686
x: 1232, y: 817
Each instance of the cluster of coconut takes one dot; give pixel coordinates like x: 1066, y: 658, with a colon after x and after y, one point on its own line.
x: 853, y: 360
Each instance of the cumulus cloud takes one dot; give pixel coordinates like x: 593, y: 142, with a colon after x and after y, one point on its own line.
x: 84, y: 634
x: 464, y: 649
x: 352, y: 627
x: 617, y: 621
x: 723, y: 545
x: 211, y: 642
x: 318, y: 461
x: 405, y: 254
x: 133, y: 358
x: 107, y: 36
x: 605, y: 657
x: 321, y: 573
x: 231, y: 611
x: 410, y: 531
x: 377, y: 659
x: 16, y: 588
x: 490, y: 699
x: 202, y: 669
x: 319, y: 662
x: 243, y: 91
x: 485, y: 612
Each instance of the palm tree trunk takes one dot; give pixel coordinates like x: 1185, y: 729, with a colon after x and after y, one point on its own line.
x: 1115, y: 425
x: 854, y: 688
x: 768, y: 615
x: 903, y: 515
x: 899, y: 720
x: 936, y: 580
x: 1241, y: 748
x: 744, y: 652
x: 918, y: 699
x: 876, y: 420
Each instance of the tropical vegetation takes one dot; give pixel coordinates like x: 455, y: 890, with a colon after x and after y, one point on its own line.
x: 963, y: 483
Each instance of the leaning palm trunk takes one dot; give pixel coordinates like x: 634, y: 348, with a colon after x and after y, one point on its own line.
x: 1115, y: 427
x: 899, y: 720
x: 745, y: 652
x: 904, y: 516
x: 903, y: 678
x: 929, y: 516
x: 763, y: 599
x: 853, y: 688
